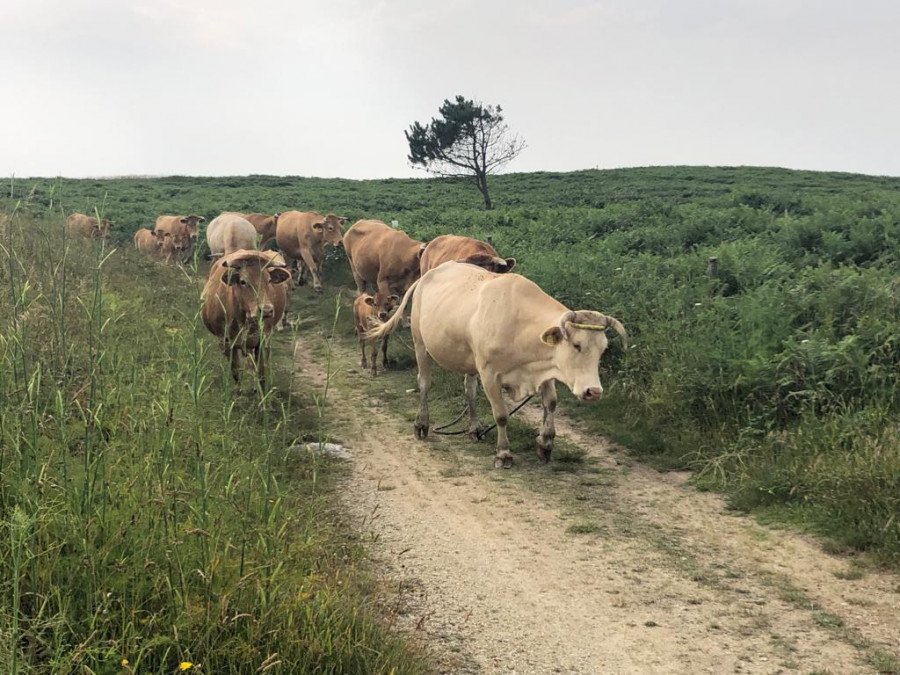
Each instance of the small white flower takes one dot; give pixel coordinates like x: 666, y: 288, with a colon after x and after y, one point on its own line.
x: 803, y: 342
x: 698, y: 304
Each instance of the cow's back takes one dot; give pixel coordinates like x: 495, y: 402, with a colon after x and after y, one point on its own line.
x: 293, y: 230
x: 229, y: 232
x: 375, y: 249
x: 80, y: 223
x: 468, y: 315
x: 453, y: 247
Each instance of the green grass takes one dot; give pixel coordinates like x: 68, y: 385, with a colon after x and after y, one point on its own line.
x: 149, y: 510
x: 775, y: 380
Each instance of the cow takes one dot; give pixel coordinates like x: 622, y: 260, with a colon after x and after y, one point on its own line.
x: 151, y: 243
x: 78, y: 223
x: 504, y: 329
x: 464, y: 249
x: 382, y: 256
x: 244, y: 298
x: 228, y: 233
x: 367, y: 315
x: 302, y: 235
x: 183, y: 230
x: 265, y: 224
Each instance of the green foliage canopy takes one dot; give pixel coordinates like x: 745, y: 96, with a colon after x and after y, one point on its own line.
x: 469, y: 139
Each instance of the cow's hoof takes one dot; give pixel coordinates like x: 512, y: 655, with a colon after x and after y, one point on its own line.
x: 318, y: 289
x: 421, y: 431
x: 544, y: 449
x: 503, y: 462
x: 476, y: 433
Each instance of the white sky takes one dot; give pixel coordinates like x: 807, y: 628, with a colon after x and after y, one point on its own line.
x: 225, y: 87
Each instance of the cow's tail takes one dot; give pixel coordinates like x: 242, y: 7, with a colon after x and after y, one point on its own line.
x: 390, y: 325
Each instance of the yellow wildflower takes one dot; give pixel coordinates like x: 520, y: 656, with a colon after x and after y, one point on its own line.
x: 124, y: 662
x: 185, y: 665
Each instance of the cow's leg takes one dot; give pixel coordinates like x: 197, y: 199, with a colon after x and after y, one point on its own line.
x: 234, y: 356
x: 494, y: 394
x: 425, y: 363
x: 475, y: 425
x: 362, y: 348
x: 313, y: 266
x: 548, y: 429
x: 374, y: 344
x: 260, y: 353
x: 360, y: 282
x: 384, y: 346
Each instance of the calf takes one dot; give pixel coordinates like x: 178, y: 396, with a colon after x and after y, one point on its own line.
x: 244, y: 298
x: 150, y: 243
x: 368, y: 315
x: 183, y: 230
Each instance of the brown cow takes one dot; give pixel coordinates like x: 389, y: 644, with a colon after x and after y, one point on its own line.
x: 78, y: 223
x: 151, y: 243
x: 244, y: 298
x: 382, y: 256
x: 464, y: 249
x: 368, y: 316
x: 183, y: 230
x: 302, y: 235
x: 507, y: 331
x: 265, y: 224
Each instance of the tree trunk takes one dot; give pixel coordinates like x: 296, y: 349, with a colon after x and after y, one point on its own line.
x: 481, y: 182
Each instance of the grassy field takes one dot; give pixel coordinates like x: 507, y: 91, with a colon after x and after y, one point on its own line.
x: 154, y: 518
x: 776, y: 380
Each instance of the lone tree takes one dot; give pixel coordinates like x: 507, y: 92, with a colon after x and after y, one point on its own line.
x: 469, y: 139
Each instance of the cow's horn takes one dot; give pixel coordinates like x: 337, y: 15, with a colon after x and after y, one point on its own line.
x: 566, y: 318
x: 498, y: 261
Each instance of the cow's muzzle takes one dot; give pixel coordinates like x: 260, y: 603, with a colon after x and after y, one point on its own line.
x: 591, y: 394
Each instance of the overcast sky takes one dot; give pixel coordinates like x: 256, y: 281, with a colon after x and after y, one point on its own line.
x: 224, y: 87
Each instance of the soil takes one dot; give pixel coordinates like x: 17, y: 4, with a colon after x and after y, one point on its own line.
x: 613, y: 568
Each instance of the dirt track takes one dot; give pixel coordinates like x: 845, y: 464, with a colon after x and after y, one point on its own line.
x: 613, y: 569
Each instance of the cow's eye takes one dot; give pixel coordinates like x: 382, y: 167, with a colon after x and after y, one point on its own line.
x: 577, y: 346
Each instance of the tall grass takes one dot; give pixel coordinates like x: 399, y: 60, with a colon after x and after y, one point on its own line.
x: 796, y: 334
x: 151, y: 514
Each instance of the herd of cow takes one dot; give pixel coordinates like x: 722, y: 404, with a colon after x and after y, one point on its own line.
x: 469, y: 314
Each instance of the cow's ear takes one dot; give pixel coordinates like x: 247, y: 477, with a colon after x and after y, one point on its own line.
x: 370, y: 301
x: 552, y: 336
x: 510, y: 264
x: 277, y: 275
x: 318, y: 226
x: 343, y: 221
x: 394, y: 298
x: 231, y: 277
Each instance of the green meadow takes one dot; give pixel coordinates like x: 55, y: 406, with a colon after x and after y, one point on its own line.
x: 151, y: 512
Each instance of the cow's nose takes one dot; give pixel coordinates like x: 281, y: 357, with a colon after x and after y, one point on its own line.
x: 382, y: 316
x: 268, y: 311
x: 592, y: 394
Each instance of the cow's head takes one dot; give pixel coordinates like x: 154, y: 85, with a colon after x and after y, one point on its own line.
x: 250, y: 279
x: 382, y: 304
x: 331, y: 228
x: 579, y: 341
x: 491, y: 263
